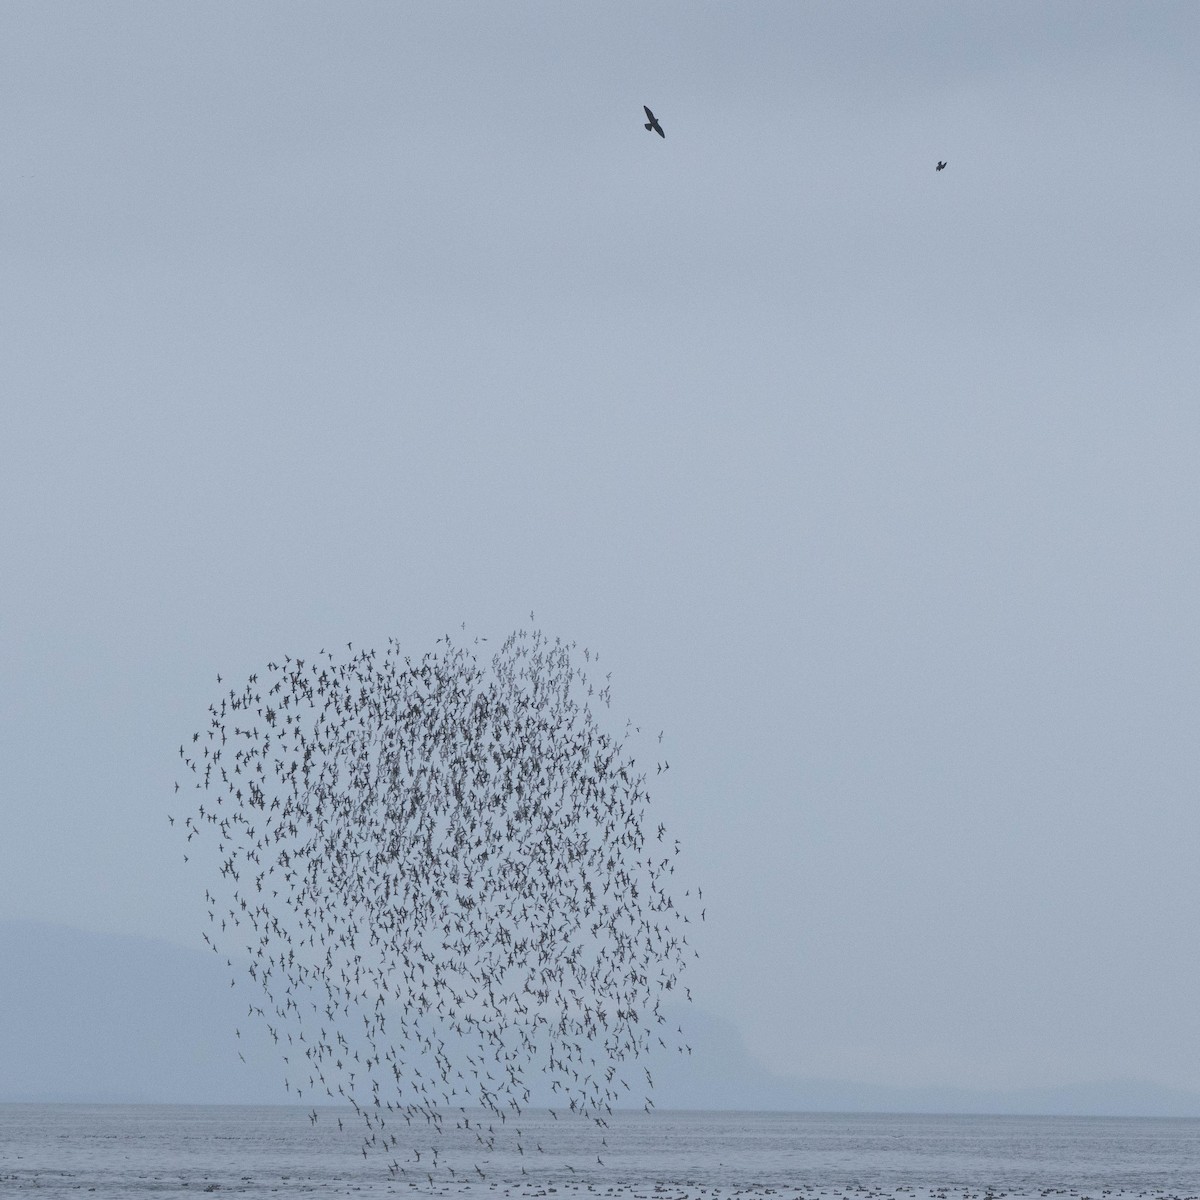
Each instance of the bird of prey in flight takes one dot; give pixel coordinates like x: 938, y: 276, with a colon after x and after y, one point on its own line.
x: 652, y: 123
x: 941, y: 166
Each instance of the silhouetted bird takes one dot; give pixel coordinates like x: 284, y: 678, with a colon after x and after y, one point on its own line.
x: 652, y: 123
x: 941, y: 166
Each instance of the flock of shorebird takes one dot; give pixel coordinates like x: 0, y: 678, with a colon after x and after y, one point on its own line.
x: 434, y: 878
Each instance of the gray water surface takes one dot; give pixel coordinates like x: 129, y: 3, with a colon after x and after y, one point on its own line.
x: 175, y: 1151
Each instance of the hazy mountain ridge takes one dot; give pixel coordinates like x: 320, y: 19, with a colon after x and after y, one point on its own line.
x: 103, y: 1018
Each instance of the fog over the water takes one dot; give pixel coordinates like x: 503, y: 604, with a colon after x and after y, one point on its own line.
x: 873, y: 486
x: 122, y: 1019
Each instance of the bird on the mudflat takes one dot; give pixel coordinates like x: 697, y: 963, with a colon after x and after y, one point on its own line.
x: 652, y: 122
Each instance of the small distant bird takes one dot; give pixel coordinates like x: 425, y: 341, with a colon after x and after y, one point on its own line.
x: 652, y: 123
x: 941, y: 166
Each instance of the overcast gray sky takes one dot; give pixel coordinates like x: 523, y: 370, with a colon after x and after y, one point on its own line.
x: 875, y: 487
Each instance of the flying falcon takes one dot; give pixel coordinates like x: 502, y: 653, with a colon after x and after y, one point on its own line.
x: 652, y: 123
x: 941, y: 166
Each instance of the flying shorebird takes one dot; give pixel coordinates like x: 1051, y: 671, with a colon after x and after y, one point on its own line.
x: 941, y: 166
x: 652, y: 123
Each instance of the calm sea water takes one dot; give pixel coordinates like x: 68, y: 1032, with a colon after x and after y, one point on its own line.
x: 172, y: 1151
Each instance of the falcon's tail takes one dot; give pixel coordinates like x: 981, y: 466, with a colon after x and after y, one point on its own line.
x: 649, y: 124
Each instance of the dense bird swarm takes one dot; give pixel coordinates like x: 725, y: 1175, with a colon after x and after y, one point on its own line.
x: 435, y: 879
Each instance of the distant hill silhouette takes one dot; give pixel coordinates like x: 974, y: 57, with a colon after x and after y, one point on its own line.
x: 101, y: 1018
